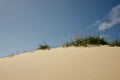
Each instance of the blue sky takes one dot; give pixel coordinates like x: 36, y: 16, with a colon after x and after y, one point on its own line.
x: 24, y: 24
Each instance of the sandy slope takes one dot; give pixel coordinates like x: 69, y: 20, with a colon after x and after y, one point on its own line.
x: 92, y: 63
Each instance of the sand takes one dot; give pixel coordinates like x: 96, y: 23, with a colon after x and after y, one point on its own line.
x: 91, y: 63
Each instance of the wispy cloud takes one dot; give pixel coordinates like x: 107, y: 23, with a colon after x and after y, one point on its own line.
x: 94, y: 25
x: 112, y: 19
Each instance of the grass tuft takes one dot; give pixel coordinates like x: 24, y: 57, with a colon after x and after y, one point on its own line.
x: 44, y: 46
x: 11, y: 55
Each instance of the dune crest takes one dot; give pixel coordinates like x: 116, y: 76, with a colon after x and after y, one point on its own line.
x: 90, y: 63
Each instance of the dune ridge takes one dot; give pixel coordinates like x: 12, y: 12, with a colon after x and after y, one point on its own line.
x: 72, y: 63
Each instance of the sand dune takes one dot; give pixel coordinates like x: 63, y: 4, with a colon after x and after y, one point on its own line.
x: 91, y: 63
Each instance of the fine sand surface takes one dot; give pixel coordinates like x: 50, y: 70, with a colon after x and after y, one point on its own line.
x: 91, y: 63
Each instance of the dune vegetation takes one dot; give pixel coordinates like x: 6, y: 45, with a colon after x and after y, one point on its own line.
x: 44, y: 46
x: 79, y: 42
x: 91, y: 41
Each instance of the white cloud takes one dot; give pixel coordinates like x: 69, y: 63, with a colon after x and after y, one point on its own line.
x: 106, y: 25
x: 113, y: 18
x: 95, y: 24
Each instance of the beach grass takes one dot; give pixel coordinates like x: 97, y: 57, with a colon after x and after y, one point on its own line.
x: 90, y: 41
x: 44, y: 46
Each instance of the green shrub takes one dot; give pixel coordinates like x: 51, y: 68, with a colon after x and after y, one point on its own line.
x: 88, y: 40
x: 94, y: 40
x: 44, y: 46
